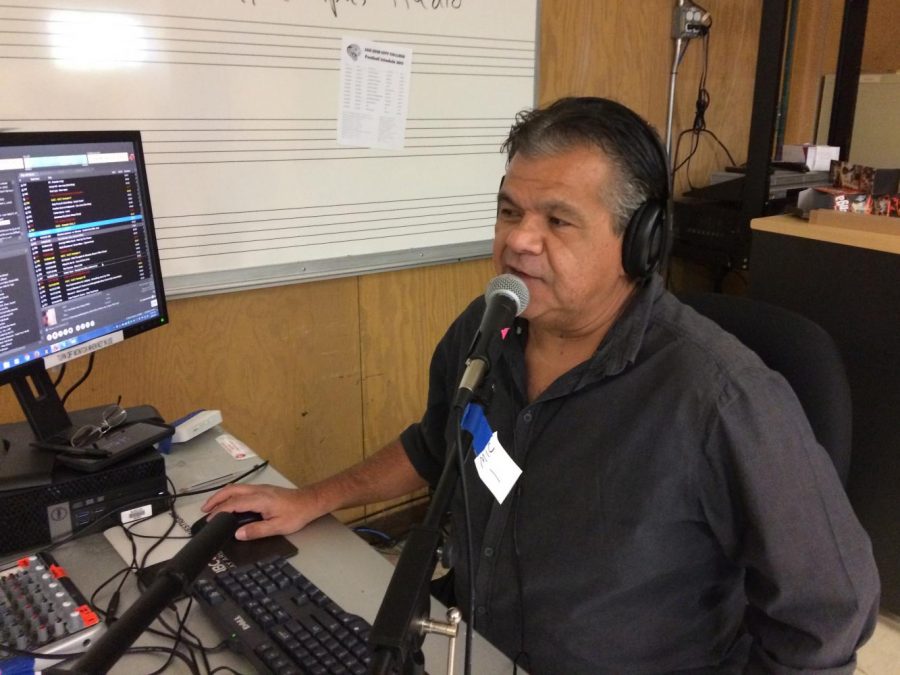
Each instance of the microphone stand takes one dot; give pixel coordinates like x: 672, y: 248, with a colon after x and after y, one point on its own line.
x: 175, y: 578
x: 403, y: 619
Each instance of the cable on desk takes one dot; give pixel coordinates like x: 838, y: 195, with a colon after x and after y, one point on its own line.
x: 253, y: 469
x: 218, y: 669
x: 172, y: 654
x: 175, y: 634
x: 133, y: 566
x: 178, y: 639
x: 386, y: 539
x: 109, y: 615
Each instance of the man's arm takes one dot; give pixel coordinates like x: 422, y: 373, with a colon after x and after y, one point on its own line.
x: 777, y: 506
x: 385, y: 475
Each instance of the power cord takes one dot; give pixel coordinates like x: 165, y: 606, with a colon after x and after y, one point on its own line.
x: 698, y: 128
x: 80, y: 380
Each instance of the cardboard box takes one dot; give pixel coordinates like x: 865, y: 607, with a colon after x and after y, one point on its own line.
x: 864, y: 178
x: 837, y: 199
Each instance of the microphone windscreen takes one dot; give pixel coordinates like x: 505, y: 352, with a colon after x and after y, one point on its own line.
x: 511, y: 286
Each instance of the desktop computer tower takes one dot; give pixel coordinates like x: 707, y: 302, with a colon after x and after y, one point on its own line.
x: 35, y: 516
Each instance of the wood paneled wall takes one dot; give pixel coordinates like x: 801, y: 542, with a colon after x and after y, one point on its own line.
x: 624, y: 50
x: 315, y: 375
x: 881, y: 49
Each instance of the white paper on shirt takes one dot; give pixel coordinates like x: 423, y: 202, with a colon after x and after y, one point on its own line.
x: 497, y: 469
x: 374, y: 93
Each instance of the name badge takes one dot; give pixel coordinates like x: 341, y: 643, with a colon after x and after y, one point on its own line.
x: 495, y: 467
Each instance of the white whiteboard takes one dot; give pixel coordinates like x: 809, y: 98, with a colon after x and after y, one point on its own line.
x: 237, y: 102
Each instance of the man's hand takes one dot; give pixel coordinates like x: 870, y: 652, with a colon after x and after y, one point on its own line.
x: 284, y: 510
x: 385, y: 475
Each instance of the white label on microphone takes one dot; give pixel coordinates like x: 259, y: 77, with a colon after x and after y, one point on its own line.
x: 497, y: 469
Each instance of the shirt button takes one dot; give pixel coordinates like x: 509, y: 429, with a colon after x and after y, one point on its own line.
x: 488, y: 552
x: 481, y: 611
x: 527, y: 416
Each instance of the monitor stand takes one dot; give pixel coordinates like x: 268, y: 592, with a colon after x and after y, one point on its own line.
x: 22, y: 465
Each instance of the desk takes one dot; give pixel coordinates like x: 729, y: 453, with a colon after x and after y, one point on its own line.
x: 329, y: 554
x: 843, y: 272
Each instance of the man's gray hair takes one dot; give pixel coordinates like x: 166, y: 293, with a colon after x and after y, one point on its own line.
x: 625, y: 140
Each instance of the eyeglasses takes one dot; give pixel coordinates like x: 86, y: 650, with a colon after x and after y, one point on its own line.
x: 89, y: 434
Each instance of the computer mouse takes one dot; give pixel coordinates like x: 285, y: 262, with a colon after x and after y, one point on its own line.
x: 243, y: 517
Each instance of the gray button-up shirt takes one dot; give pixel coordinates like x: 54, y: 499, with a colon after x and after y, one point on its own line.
x: 674, y: 513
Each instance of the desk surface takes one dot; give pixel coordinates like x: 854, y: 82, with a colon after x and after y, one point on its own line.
x: 878, y: 233
x: 329, y: 554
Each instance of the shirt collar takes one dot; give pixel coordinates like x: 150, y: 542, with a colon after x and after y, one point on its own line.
x: 624, y: 339
x: 622, y: 343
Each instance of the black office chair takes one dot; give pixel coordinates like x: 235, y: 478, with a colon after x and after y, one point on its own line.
x: 802, y: 352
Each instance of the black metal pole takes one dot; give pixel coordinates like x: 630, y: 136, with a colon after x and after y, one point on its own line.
x: 846, y: 79
x: 765, y: 108
x: 396, y: 636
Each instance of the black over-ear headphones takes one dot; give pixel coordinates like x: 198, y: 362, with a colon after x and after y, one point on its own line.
x: 645, y: 244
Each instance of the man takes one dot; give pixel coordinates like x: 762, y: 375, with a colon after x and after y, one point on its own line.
x: 674, y: 511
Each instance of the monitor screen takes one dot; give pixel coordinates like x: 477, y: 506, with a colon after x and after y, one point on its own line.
x: 79, y: 269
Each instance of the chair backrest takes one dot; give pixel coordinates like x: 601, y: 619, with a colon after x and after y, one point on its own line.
x: 802, y: 352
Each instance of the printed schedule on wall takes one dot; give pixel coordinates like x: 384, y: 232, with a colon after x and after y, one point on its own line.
x: 288, y: 139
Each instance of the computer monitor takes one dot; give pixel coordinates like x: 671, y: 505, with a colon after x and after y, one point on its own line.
x: 79, y: 266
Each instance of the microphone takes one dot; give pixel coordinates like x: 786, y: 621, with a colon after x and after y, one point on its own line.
x: 173, y: 579
x: 506, y: 297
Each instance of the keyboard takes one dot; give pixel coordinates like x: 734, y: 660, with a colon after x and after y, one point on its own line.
x: 42, y: 611
x: 283, y: 623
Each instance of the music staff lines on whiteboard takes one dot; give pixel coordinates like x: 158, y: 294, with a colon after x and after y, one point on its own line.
x: 248, y: 22
x: 249, y: 227
x: 298, y: 124
x: 364, y: 210
x: 297, y: 213
x: 194, y: 44
x: 279, y: 243
x: 242, y: 234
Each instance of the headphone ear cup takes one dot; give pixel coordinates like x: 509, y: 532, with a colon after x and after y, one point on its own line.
x: 644, y: 240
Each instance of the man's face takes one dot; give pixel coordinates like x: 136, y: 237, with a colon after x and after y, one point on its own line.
x: 554, y: 232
